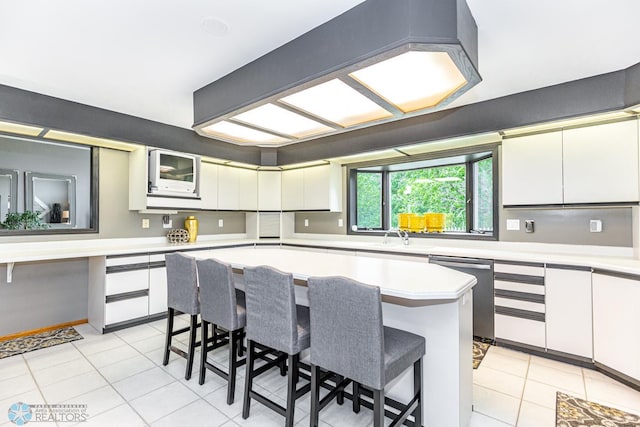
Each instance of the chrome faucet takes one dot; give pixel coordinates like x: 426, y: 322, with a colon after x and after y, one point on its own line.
x: 404, y: 238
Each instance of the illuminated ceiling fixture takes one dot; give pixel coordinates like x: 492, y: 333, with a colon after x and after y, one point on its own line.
x: 379, y: 61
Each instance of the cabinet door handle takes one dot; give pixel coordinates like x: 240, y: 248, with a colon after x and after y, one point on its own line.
x: 462, y: 265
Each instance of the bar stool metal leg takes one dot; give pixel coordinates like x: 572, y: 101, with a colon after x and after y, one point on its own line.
x: 378, y: 408
x: 417, y: 391
x: 248, y: 381
x: 315, y: 395
x: 203, y: 349
x: 356, y: 397
x: 233, y: 364
x: 192, y: 346
x: 167, y: 344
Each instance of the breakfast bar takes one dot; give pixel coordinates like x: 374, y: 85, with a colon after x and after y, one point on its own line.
x: 425, y: 299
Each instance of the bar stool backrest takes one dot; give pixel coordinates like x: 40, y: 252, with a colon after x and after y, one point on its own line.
x: 271, y: 308
x: 218, y: 304
x: 347, y: 335
x: 182, y: 283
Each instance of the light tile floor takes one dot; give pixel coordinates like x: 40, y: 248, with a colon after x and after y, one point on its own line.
x: 120, y: 377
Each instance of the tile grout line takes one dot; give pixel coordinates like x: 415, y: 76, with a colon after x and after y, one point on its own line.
x: 113, y: 388
x: 526, y: 377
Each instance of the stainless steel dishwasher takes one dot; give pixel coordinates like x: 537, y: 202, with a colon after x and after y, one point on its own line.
x: 482, y: 269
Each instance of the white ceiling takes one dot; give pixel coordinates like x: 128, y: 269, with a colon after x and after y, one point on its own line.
x: 146, y: 57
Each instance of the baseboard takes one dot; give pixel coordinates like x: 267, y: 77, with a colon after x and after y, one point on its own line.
x: 45, y: 329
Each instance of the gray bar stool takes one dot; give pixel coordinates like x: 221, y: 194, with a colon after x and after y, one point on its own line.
x: 349, y: 339
x: 274, y: 320
x: 221, y: 305
x: 182, y: 297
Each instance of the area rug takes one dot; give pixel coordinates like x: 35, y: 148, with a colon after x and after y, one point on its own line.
x: 37, y: 341
x: 574, y: 412
x: 479, y: 351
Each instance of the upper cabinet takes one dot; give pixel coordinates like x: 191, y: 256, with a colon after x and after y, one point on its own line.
x: 532, y: 169
x: 317, y: 188
x: 593, y: 164
x: 601, y: 163
x: 237, y: 189
x: 269, y: 190
x: 209, y: 185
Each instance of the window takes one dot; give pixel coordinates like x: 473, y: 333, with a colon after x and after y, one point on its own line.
x: 458, y: 187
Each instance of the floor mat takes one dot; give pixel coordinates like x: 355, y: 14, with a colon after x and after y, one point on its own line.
x: 37, y: 341
x: 574, y: 412
x: 479, y: 351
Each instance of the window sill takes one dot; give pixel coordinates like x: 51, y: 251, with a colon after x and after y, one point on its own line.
x: 444, y: 235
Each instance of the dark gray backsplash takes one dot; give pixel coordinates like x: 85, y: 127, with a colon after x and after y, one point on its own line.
x: 571, y: 226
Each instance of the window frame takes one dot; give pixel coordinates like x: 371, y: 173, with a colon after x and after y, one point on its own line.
x: 470, y: 154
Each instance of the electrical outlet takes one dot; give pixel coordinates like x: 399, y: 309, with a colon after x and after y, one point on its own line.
x: 595, y: 226
x: 220, y: 223
x: 306, y: 222
x: 340, y: 222
x: 513, y: 224
x: 145, y: 222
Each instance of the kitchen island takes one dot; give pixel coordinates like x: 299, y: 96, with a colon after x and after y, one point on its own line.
x: 425, y: 299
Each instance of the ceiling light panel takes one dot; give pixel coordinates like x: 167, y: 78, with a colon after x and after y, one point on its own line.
x: 241, y: 134
x: 282, y: 121
x: 19, y: 129
x: 413, y: 80
x: 337, y: 102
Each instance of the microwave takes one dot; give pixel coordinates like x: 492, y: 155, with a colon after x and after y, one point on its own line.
x: 172, y: 173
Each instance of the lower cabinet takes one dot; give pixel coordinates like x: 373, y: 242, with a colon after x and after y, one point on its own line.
x: 616, y: 318
x: 519, y: 290
x: 568, y: 310
x: 126, y: 289
x: 157, y: 284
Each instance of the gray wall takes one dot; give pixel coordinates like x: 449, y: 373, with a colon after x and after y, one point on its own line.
x: 43, y: 294
x: 321, y: 222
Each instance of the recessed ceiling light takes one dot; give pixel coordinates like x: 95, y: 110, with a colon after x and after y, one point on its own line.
x: 214, y: 26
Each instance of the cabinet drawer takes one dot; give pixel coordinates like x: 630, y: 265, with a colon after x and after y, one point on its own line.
x: 127, y: 260
x: 528, y: 270
x: 519, y: 287
x: 126, y: 281
x: 519, y: 304
x: 119, y: 311
x: 525, y: 331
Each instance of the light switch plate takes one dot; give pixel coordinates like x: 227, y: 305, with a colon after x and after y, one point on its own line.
x: 340, y: 222
x: 513, y: 224
x: 306, y: 222
x: 595, y: 226
x: 145, y: 222
x: 220, y: 223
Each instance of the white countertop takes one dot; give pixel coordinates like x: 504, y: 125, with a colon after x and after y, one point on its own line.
x: 616, y: 259
x: 396, y: 278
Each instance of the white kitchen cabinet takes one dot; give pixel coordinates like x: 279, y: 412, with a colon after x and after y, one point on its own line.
x: 209, y: 185
x: 568, y: 311
x: 601, y: 163
x: 532, y: 169
x: 317, y: 188
x: 519, y: 303
x: 237, y: 189
x: 157, y: 284
x: 292, y: 190
x: 269, y: 190
x: 616, y: 341
x: 140, y: 200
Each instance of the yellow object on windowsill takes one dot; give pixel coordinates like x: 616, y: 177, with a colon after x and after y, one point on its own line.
x: 403, y: 221
x: 416, y: 223
x: 435, y: 222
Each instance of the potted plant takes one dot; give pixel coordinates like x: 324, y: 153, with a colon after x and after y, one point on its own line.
x: 27, y: 220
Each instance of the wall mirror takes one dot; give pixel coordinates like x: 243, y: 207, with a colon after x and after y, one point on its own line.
x: 55, y: 182
x: 8, y: 192
x: 53, y: 196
